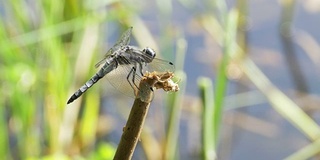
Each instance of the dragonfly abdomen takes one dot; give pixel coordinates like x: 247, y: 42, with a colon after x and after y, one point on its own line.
x: 85, y: 87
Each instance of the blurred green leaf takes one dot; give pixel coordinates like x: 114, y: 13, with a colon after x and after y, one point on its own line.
x: 208, y: 112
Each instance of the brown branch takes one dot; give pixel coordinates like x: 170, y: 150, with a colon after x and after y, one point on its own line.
x: 133, y: 128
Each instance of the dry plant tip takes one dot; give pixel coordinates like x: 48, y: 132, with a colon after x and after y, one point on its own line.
x: 162, y: 80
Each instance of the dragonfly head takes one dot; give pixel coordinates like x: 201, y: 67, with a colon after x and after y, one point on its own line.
x: 150, y: 53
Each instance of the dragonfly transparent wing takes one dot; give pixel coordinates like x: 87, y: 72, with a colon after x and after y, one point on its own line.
x: 125, y: 80
x: 159, y: 66
x: 122, y: 41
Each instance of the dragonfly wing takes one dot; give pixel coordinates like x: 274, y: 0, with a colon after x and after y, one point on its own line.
x: 123, y: 82
x: 159, y: 65
x: 122, y: 41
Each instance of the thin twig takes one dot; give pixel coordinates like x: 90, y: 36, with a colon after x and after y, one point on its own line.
x: 133, y: 128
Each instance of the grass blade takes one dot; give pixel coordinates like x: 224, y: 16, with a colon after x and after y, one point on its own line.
x: 208, y: 132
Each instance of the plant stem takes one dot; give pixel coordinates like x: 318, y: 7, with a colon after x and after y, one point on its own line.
x: 132, y: 130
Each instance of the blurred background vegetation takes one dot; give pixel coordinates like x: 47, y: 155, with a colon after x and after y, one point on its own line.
x: 248, y: 73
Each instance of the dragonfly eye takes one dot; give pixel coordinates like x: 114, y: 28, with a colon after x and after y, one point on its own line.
x: 149, y: 52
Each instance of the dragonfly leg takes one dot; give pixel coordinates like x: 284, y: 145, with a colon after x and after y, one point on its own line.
x: 134, y: 76
x: 129, y: 76
x: 133, y: 73
x: 140, y: 69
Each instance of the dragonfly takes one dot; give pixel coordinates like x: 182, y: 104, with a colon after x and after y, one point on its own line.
x: 124, y: 65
